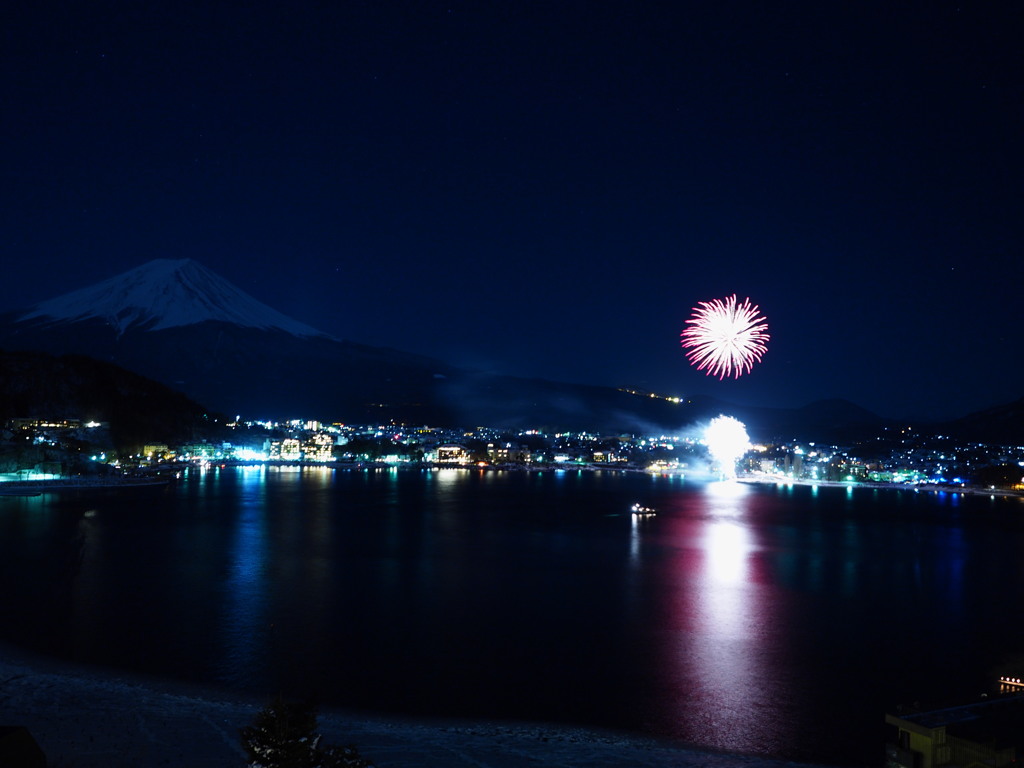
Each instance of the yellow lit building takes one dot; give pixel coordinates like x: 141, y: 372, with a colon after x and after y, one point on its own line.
x: 289, y: 449
x: 452, y: 454
x: 319, y: 447
x: 508, y: 454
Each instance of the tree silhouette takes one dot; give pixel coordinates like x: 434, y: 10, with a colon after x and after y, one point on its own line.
x: 284, y: 735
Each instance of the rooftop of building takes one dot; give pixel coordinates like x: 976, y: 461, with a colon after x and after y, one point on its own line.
x: 997, y: 721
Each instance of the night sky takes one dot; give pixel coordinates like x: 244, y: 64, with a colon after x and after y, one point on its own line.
x: 547, y: 188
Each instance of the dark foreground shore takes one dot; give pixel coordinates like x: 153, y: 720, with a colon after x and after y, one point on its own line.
x: 84, y: 718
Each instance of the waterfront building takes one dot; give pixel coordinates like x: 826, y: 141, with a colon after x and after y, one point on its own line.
x: 453, y: 453
x: 508, y: 453
x: 156, y: 451
x: 318, y: 447
x: 289, y: 449
x: 199, y: 451
x: 986, y: 733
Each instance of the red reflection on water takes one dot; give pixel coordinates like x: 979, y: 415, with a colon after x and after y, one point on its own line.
x: 722, y: 657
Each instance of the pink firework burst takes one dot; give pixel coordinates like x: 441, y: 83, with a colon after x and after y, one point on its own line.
x: 725, y: 338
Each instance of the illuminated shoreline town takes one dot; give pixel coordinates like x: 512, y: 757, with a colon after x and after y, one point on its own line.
x: 34, y: 450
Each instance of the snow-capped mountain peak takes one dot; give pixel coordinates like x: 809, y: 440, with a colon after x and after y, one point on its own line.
x: 166, y: 293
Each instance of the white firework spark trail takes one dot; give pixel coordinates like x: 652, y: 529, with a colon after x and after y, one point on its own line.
x: 725, y: 338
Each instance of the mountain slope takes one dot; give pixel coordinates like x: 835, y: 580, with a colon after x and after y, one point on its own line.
x: 185, y: 326
x: 1003, y: 424
x: 165, y: 294
x: 138, y: 410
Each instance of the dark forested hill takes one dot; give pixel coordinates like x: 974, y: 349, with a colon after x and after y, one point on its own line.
x: 137, y: 409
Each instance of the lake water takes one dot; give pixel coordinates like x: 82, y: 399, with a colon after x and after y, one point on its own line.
x: 773, y: 620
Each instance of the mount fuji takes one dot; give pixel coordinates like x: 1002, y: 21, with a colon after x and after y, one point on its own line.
x: 185, y: 326
x: 162, y: 294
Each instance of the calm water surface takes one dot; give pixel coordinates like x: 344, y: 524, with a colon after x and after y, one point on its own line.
x: 761, y: 619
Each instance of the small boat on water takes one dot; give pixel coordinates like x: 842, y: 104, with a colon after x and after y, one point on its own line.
x: 639, y: 510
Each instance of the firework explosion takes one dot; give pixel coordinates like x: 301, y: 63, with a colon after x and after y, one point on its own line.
x: 727, y: 441
x: 725, y: 338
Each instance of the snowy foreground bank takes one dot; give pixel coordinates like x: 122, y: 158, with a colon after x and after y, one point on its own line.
x: 84, y: 719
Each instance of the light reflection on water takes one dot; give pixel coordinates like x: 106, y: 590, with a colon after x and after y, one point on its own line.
x: 723, y: 626
x: 245, y: 623
x: 87, y: 583
x: 532, y: 595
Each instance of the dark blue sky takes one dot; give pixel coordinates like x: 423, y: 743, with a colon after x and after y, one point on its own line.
x: 548, y: 188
